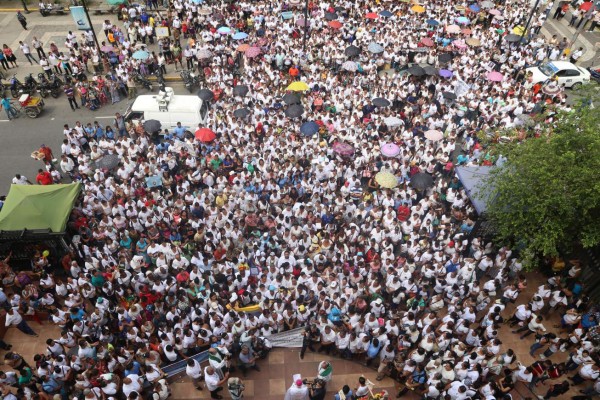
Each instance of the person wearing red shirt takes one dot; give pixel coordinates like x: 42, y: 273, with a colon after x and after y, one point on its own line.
x: 43, y: 177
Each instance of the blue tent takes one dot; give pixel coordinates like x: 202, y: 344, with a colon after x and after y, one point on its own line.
x: 474, y: 180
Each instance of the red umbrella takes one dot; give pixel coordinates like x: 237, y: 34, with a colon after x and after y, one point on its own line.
x: 586, y: 6
x: 371, y: 15
x: 205, y: 135
x: 427, y: 42
x: 335, y: 24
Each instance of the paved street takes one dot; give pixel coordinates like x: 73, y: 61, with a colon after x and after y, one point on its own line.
x: 21, y: 137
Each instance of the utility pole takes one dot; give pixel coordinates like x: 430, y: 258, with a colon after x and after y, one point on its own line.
x: 537, y: 3
x: 305, y: 27
x: 87, y: 15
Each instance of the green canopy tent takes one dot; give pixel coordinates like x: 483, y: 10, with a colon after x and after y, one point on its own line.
x: 34, y: 207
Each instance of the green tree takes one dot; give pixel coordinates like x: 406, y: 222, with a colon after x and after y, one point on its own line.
x: 546, y: 196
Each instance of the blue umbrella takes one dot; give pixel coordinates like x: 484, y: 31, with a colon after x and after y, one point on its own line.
x: 240, y: 36
x: 432, y: 22
x: 141, y: 55
x: 309, y: 128
x: 375, y: 48
x: 197, y: 1
x: 224, y: 30
x: 386, y: 13
x: 446, y: 73
x: 463, y: 20
x: 474, y: 8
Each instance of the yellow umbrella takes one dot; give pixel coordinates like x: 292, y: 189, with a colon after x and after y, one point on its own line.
x: 518, y: 30
x: 298, y: 86
x: 418, y: 9
x: 473, y: 42
x: 386, y: 180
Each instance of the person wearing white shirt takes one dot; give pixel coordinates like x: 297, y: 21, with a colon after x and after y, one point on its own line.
x: 20, y: 180
x: 213, y: 381
x: 15, y: 319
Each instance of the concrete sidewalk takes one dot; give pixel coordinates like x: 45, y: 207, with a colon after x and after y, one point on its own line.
x: 53, y: 28
x: 590, y: 41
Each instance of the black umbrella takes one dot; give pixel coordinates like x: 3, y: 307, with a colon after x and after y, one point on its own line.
x: 381, y: 102
x: 109, y: 161
x: 152, y: 126
x: 206, y: 94
x: 352, y: 51
x: 240, y: 90
x: 445, y: 57
x: 512, y: 38
x: 339, y: 9
x: 429, y: 70
x: 449, y: 95
x: 291, y: 98
x: 331, y: 16
x: 421, y: 181
x: 294, y: 111
x: 416, y: 70
x: 241, y: 113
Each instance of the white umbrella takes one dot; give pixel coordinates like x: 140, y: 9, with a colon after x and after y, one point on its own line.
x: 393, y: 122
x: 434, y: 135
x: 203, y: 53
x: 350, y: 66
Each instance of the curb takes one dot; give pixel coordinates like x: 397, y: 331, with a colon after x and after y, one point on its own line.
x: 167, y: 79
x: 18, y: 9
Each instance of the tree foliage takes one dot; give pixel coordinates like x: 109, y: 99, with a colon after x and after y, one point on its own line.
x: 546, y: 196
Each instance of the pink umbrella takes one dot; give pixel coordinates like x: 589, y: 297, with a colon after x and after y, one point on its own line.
x: 253, y: 52
x: 390, y: 150
x: 434, y: 135
x: 495, y: 76
x: 302, y: 22
x: 343, y: 149
x: 459, y: 44
x: 427, y: 42
x: 495, y: 12
x: 453, y: 28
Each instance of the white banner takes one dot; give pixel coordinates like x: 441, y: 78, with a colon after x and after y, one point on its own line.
x: 292, y: 338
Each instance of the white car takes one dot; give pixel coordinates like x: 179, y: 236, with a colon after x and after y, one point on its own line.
x: 568, y: 74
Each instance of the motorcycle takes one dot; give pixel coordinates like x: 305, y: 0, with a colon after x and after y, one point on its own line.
x: 17, y: 87
x: 142, y: 80
x: 190, y: 80
x: 53, y: 85
x: 45, y: 9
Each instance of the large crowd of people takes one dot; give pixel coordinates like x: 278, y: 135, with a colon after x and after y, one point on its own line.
x: 295, y: 223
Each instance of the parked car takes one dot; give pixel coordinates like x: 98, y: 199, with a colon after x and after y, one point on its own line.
x: 595, y: 73
x: 569, y: 75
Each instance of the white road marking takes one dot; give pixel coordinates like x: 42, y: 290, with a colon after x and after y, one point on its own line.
x: 112, y: 116
x: 4, y: 120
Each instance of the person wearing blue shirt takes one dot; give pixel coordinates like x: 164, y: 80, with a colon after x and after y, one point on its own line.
x: 10, y: 112
x: 373, y: 350
x: 348, y: 394
x: 132, y: 369
x: 179, y: 131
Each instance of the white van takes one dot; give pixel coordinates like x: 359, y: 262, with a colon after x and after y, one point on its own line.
x: 168, y: 108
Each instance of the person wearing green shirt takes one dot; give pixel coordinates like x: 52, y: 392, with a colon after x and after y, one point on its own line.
x: 215, y: 163
x: 25, y: 377
x: 98, y: 280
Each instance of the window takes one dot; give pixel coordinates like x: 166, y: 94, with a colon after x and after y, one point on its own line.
x: 567, y: 73
x: 135, y: 115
